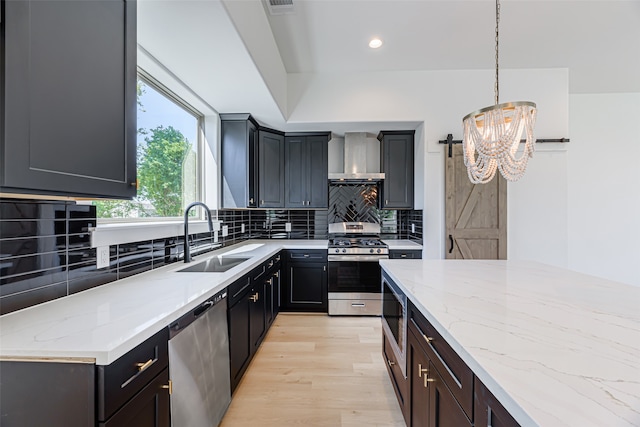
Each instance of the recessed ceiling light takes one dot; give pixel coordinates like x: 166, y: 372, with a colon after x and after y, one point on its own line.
x: 375, y: 43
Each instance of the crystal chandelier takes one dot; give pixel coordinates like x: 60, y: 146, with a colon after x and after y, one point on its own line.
x: 492, y: 135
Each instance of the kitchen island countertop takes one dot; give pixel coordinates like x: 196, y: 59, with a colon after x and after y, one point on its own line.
x: 101, y: 324
x: 556, y: 347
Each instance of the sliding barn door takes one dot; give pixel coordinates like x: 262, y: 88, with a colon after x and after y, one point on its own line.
x: 476, y: 214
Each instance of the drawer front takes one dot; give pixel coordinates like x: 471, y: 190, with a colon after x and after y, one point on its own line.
x: 238, y: 289
x: 125, y: 377
x: 311, y: 255
x: 397, y: 379
x: 405, y: 254
x: 455, y: 373
x: 356, y: 307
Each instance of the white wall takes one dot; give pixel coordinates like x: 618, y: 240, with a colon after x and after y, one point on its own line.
x: 604, y: 186
x: 440, y: 99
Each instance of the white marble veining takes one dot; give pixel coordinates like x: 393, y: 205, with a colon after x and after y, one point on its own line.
x: 556, y: 347
x: 105, y: 322
x: 402, y: 244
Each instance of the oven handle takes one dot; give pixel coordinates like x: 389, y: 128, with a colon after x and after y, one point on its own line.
x: 357, y: 258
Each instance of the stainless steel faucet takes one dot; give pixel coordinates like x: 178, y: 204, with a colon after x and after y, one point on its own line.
x: 187, y: 254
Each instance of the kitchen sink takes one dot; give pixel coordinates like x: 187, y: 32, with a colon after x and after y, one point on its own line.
x: 214, y: 265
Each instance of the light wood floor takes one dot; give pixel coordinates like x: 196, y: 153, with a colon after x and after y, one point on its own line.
x: 317, y: 370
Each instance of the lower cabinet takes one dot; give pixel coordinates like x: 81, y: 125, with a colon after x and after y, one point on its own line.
x: 252, y: 309
x: 150, y: 407
x: 305, y: 287
x: 441, y: 390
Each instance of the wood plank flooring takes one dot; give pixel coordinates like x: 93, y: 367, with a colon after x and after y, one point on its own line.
x: 317, y: 370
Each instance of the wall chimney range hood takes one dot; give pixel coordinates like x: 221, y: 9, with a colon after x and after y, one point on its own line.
x: 361, y: 160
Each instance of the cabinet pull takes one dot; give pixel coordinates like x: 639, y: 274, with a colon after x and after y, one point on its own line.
x: 403, y: 256
x: 254, y: 297
x: 277, y: 274
x: 427, y: 381
x: 307, y: 255
x: 145, y: 365
x: 390, y: 363
x: 422, y: 370
x: 358, y: 304
x: 324, y: 268
x: 251, y: 200
x: 427, y: 339
x: 270, y: 281
x: 271, y: 263
x: 168, y: 387
x: 262, y: 202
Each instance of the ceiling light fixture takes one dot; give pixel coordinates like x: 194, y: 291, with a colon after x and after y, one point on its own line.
x: 375, y: 43
x: 494, y: 133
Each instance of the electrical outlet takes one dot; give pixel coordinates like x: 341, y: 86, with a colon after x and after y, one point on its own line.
x: 102, y: 257
x: 225, y: 230
x: 216, y: 225
x: 413, y: 228
x: 215, y: 237
x: 242, y: 228
x: 287, y: 226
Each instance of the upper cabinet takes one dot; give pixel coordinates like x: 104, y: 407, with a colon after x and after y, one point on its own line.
x: 270, y: 169
x: 396, y: 155
x: 68, y: 109
x: 239, y: 146
x: 306, y: 176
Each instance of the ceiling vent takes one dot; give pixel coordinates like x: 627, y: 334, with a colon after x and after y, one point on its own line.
x: 279, y: 7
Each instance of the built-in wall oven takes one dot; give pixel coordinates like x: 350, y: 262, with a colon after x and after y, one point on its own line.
x: 394, y: 320
x: 354, y: 272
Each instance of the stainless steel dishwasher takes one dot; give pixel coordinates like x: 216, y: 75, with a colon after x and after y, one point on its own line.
x: 199, y: 365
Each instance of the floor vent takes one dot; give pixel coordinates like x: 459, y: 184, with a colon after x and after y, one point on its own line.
x: 279, y: 7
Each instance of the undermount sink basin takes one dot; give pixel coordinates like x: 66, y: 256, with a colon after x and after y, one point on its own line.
x: 214, y: 265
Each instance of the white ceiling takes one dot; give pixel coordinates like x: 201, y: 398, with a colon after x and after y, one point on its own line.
x: 207, y: 47
x: 598, y: 41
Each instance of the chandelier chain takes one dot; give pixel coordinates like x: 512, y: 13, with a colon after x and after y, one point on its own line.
x: 497, y: 85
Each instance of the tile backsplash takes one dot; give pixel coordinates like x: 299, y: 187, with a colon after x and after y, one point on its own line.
x: 45, y: 246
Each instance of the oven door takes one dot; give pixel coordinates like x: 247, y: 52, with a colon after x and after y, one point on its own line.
x: 354, y: 273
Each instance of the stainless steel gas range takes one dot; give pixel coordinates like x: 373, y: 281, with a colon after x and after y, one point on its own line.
x: 354, y: 273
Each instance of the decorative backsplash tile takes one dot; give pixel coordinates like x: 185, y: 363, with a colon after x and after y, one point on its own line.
x: 45, y: 247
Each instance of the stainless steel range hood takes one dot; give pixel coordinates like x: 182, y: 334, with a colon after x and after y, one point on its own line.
x: 361, y: 159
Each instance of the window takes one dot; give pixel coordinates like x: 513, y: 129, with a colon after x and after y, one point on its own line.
x: 168, y: 147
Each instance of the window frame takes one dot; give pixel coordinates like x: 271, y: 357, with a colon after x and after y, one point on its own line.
x: 154, y: 83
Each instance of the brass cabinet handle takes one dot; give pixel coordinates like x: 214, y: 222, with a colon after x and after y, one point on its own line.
x: 422, y: 370
x: 254, y: 298
x: 168, y: 387
x: 390, y: 362
x: 145, y: 365
x: 277, y: 274
x: 271, y: 263
x: 427, y: 381
x: 427, y: 339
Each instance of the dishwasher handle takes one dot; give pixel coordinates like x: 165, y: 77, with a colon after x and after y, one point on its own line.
x: 203, y: 307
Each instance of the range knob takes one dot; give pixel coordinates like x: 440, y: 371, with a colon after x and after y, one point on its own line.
x: 379, y: 250
x: 371, y: 250
x: 337, y: 251
x: 344, y: 251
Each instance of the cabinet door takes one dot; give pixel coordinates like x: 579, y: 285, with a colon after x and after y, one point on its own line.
x: 306, y: 287
x: 487, y: 411
x: 239, y: 140
x: 268, y: 302
x: 417, y: 370
x: 317, y: 173
x: 257, y: 328
x: 276, y: 293
x: 397, y: 164
x: 149, y: 408
x: 296, y: 172
x: 69, y: 114
x: 444, y: 410
x: 239, y: 339
x: 271, y: 170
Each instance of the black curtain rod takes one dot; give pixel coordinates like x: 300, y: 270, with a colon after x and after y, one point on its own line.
x: 450, y: 141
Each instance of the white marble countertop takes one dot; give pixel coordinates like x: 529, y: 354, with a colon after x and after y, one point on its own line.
x: 402, y: 244
x: 105, y: 322
x: 556, y: 348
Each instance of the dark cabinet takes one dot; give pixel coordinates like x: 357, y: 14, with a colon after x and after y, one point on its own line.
x: 488, y: 412
x: 149, y: 408
x: 305, y: 281
x: 134, y: 390
x: 405, y: 253
x: 432, y: 403
x: 252, y: 310
x: 270, y: 169
x: 306, y: 160
x: 68, y: 113
x: 397, y: 158
x: 239, y: 164
x: 398, y: 380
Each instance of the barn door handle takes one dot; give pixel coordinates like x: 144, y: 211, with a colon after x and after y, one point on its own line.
x: 450, y: 243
